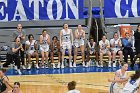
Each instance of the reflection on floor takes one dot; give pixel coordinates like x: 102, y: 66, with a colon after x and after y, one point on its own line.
x: 66, y: 70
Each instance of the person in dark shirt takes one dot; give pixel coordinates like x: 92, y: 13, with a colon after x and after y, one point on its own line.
x: 55, y: 50
x: 137, y: 43
x: 4, y: 82
x: 127, y: 49
x: 21, y: 34
x: 15, y: 50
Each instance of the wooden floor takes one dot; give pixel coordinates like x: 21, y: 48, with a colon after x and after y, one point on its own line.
x: 95, y: 82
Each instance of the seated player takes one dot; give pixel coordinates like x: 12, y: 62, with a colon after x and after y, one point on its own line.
x: 31, y: 47
x: 116, y: 48
x: 44, y: 47
x: 104, y: 46
x: 55, y: 50
x: 91, y: 49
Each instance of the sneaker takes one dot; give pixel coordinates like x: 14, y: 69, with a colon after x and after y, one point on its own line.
x: 53, y: 65
x: 74, y: 64
x: 23, y: 67
x: 97, y: 64
x: 58, y: 66
x: 70, y: 64
x: 37, y: 66
x: 62, y: 66
x: 101, y: 64
x: 109, y: 65
x: 19, y: 72
x: 114, y: 64
x: 29, y: 66
x: 83, y: 64
x: 43, y: 66
x: 15, y: 67
x: 87, y: 64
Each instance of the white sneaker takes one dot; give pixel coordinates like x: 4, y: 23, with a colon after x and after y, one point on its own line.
x: 62, y: 65
x: 74, y: 64
x: 114, y: 64
x: 37, y: 66
x: 70, y: 64
x: 53, y: 65
x: 23, y: 67
x: 83, y: 64
x: 19, y: 72
x: 97, y: 64
x: 15, y: 67
x: 101, y: 64
x: 43, y: 66
x: 109, y: 64
x: 29, y: 66
x: 58, y: 66
x: 87, y: 64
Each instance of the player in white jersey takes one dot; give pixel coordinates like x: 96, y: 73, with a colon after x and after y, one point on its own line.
x: 44, y: 46
x: 66, y: 42
x: 120, y: 74
x: 104, y: 46
x: 31, y: 47
x: 133, y: 83
x: 116, y: 48
x: 79, y: 42
x: 71, y: 87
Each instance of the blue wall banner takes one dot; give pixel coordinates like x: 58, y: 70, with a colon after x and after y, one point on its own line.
x: 25, y: 10
x: 121, y: 8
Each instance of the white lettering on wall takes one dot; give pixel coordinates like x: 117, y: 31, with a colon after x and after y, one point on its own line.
x: 20, y: 12
x: 36, y: 7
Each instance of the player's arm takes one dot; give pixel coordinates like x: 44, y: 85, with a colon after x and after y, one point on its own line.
x: 71, y: 36
x: 8, y: 85
x: 15, y: 49
x: 35, y: 45
x: 76, y: 35
x: 60, y: 37
x: 119, y: 43
x: 112, y: 43
x: 48, y: 40
x: 27, y: 45
x: 83, y: 35
x: 40, y: 40
x: 100, y: 45
x: 108, y: 45
x: 58, y: 46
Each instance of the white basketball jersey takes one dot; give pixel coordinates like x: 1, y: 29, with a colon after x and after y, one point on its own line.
x: 66, y: 35
x: 131, y: 85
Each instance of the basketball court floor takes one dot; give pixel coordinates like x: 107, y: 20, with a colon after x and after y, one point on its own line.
x: 49, y: 80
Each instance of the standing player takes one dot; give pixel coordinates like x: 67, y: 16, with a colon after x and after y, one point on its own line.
x: 119, y: 75
x: 55, y: 50
x: 66, y: 42
x: 44, y: 46
x: 79, y: 42
x: 31, y: 47
x: 104, y: 49
x: 116, y: 48
x: 4, y: 82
